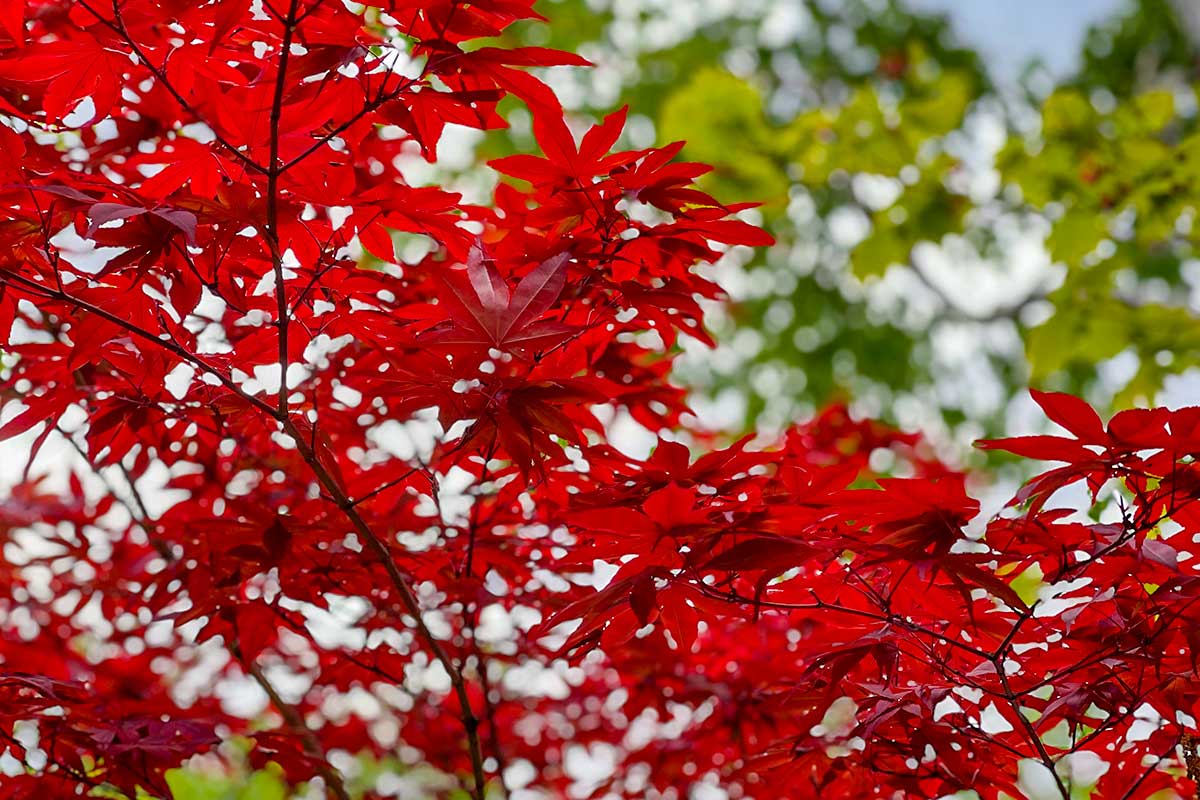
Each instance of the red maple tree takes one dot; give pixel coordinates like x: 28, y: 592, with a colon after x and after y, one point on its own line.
x: 411, y: 446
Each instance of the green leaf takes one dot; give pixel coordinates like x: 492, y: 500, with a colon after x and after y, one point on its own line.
x: 187, y: 784
x: 1076, y: 334
x: 1026, y: 584
x: 264, y: 785
x: 1066, y: 112
x: 721, y: 118
x: 1076, y: 234
x: 1155, y: 109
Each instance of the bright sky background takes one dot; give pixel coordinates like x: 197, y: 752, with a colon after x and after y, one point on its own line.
x: 1012, y: 32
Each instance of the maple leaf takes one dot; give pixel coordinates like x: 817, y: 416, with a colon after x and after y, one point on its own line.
x: 564, y: 161
x: 101, y: 213
x: 486, y: 312
x: 68, y: 73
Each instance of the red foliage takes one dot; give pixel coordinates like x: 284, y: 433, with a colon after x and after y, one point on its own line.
x: 777, y: 622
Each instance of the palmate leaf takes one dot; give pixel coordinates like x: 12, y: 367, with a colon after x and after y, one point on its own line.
x: 485, y: 312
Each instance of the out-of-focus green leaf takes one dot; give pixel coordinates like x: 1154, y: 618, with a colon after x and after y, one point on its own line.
x: 188, y: 784
x: 925, y: 212
x: 1075, y: 235
x: 721, y: 119
x: 857, y: 128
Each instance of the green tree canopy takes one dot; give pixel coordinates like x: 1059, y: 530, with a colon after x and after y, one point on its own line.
x: 945, y: 238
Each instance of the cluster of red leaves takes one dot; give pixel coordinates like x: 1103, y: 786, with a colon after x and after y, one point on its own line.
x: 190, y: 187
x: 826, y: 639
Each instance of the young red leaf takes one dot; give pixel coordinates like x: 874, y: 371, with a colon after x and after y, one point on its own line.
x: 1073, y: 414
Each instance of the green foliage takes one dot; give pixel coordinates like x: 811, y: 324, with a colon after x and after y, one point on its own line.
x: 879, y: 109
x: 722, y: 119
x: 853, y: 124
x: 188, y: 784
x: 925, y: 212
x: 1136, y: 48
x: 1122, y: 182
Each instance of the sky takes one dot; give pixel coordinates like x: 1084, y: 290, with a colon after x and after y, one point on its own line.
x: 1012, y: 32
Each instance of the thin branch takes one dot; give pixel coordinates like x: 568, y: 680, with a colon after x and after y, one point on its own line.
x: 12, y: 279
x: 134, y: 506
x: 136, y: 509
x: 117, y: 25
x: 295, y: 720
x: 489, y: 711
x: 272, y: 224
x: 818, y: 604
x: 408, y: 599
x: 1031, y: 733
x: 331, y: 486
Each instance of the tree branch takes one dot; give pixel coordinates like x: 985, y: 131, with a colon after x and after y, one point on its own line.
x: 295, y: 720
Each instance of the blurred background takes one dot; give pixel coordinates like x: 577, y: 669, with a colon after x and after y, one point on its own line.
x: 969, y: 197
